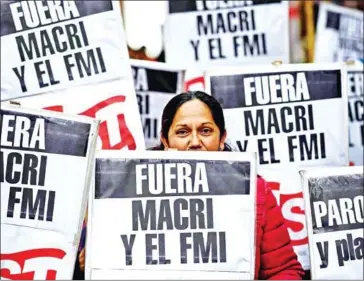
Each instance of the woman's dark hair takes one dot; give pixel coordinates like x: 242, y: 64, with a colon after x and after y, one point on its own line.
x: 177, y: 101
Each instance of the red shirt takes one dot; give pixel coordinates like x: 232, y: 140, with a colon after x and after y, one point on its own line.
x: 275, y: 258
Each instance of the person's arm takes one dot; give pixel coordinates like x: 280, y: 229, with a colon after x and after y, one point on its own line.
x: 278, y: 259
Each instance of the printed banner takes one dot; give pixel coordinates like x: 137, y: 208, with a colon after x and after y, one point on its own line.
x: 226, y: 32
x: 155, y: 84
x: 113, y: 103
x: 293, y: 116
x: 46, y: 163
x: 160, y: 214
x: 334, y: 206
x: 339, y: 34
x: 51, y: 45
x: 356, y: 114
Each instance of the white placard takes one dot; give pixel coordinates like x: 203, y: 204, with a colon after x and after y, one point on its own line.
x: 339, y: 33
x: 176, y: 227
x: 46, y: 161
x: 334, y: 209
x: 206, y: 33
x: 155, y: 84
x: 51, y: 45
x: 293, y: 116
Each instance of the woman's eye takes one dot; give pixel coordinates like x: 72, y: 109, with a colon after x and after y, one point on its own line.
x: 181, y: 132
x: 206, y: 131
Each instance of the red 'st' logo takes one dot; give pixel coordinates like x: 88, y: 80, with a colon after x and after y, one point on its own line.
x: 292, y: 206
x: 21, y: 263
x: 126, y: 138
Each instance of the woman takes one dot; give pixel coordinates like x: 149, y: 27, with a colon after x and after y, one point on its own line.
x: 195, y: 121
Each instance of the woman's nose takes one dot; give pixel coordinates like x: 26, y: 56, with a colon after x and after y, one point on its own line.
x: 195, y: 141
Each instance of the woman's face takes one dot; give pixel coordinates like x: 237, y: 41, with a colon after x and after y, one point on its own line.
x: 193, y: 128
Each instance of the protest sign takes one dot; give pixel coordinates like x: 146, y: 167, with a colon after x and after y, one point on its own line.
x: 155, y: 84
x: 226, y: 32
x: 291, y: 103
x: 46, y: 160
x: 339, y: 34
x: 292, y: 116
x: 51, y: 45
x: 113, y: 103
x: 356, y: 113
x: 334, y: 209
x: 162, y: 214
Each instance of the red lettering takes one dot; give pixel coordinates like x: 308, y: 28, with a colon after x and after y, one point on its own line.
x: 126, y: 138
x: 91, y: 112
x: 125, y: 135
x: 22, y: 257
x: 58, y: 108
x: 193, y: 81
x: 274, y: 185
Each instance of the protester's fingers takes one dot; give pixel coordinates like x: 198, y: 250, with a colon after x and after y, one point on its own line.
x: 81, y: 259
